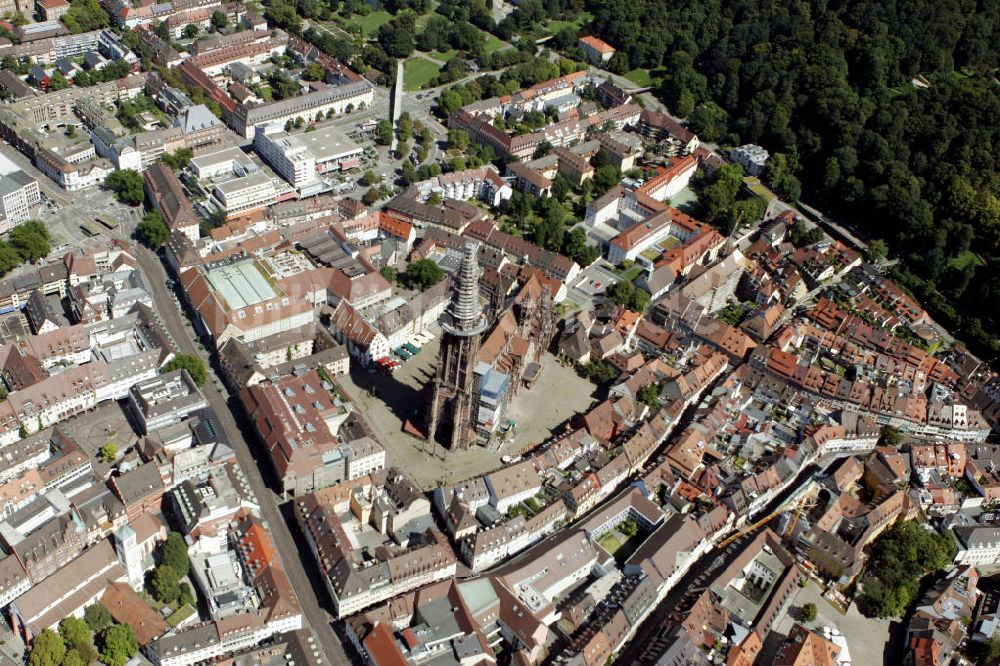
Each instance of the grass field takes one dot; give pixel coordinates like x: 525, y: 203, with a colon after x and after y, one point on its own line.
x: 179, y: 615
x: 633, y: 272
x: 444, y: 56
x: 610, y: 543
x: 967, y: 258
x: 418, y: 72
x: 494, y: 43
x: 370, y: 24
x: 555, y: 26
x: 640, y: 77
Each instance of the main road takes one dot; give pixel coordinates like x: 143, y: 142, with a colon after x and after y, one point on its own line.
x: 295, y: 560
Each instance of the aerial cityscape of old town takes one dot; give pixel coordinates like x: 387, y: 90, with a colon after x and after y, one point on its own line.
x: 499, y: 332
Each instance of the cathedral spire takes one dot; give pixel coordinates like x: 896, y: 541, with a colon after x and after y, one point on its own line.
x: 464, y: 316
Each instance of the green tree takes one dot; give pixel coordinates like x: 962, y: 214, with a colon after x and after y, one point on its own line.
x: 164, y: 583
x: 629, y: 528
x: 877, y: 250
x: 709, y: 121
x: 423, y: 273
x: 193, y: 364
x: 74, y: 658
x: 187, y: 596
x: 599, y: 372
x: 984, y: 653
x: 389, y: 273
x: 800, y: 235
x: 48, y: 649
x: 9, y: 258
x: 458, y: 139
x: 127, y: 186
x: 899, y: 558
x: 118, y: 645
x: 108, y: 452
x: 152, y: 230
x: 85, y: 16
x: 178, y: 159
x: 31, y: 240
x: 890, y: 436
x: 175, y: 554
x: 409, y: 172
x: 606, y: 177
x: 368, y: 178
x: 284, y: 16
x: 383, y: 133
x: 75, y: 631
x: 191, y: 30
x: 627, y: 295
x: 404, y: 126
x: 219, y: 19
x: 283, y: 87
x: 575, y: 247
x: 57, y: 82
x: 398, y: 36
x: 649, y: 395
x: 809, y: 613
x: 313, y: 72
x: 97, y: 617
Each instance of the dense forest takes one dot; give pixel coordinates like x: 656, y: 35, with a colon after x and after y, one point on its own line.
x: 885, y: 111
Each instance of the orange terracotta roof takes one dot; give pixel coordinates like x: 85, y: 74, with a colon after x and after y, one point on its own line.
x: 597, y: 44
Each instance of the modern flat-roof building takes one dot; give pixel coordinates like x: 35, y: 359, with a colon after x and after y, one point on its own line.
x: 228, y: 162
x: 241, y: 195
x: 165, y: 400
x: 300, y: 158
x: 18, y: 193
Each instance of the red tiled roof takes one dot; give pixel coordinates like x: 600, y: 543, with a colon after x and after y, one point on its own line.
x: 597, y: 44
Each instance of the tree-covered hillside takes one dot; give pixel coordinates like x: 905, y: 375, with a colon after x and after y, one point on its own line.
x: 831, y: 86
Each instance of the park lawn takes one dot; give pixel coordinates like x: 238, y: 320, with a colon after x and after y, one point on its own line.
x: 444, y: 56
x: 610, y: 543
x: 494, y: 44
x: 372, y: 22
x: 640, y: 77
x: 555, y: 26
x: 418, y: 72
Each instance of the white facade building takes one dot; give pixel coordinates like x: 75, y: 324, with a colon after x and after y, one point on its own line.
x: 751, y: 157
x: 246, y: 193
x: 18, y: 193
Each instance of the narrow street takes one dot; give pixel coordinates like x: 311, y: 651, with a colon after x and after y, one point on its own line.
x: 647, y: 645
x: 305, y: 583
